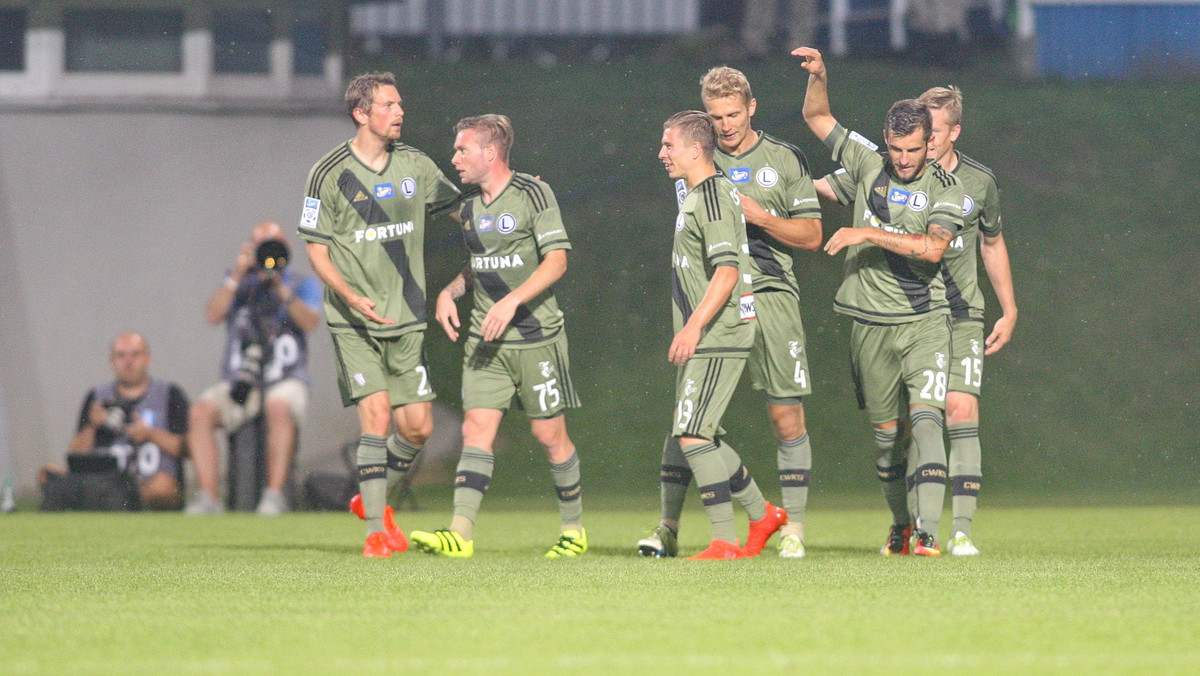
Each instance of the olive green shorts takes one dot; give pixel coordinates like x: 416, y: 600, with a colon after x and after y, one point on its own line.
x: 540, y: 377
x: 966, y: 356
x: 778, y: 361
x: 703, y: 389
x: 898, y: 365
x: 366, y: 365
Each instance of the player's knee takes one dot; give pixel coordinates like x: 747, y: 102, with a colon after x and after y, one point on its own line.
x: 203, y: 415
x: 551, y: 433
x: 961, y: 408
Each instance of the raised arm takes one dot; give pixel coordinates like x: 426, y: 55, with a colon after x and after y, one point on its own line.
x: 995, y: 261
x: 816, y: 97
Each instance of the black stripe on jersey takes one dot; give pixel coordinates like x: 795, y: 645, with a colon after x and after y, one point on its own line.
x: 764, y: 257
x: 680, y: 297
x: 470, y: 234
x: 523, y: 320
x: 877, y: 198
x: 914, y: 288
x: 804, y: 170
x: 570, y: 396
x: 322, y: 170
x: 712, y: 201
x: 959, y: 308
x: 944, y: 177
x: 414, y: 289
x: 368, y: 209
x: 533, y: 192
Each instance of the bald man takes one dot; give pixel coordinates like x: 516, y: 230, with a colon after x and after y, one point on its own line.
x: 267, y: 312
x: 140, y: 421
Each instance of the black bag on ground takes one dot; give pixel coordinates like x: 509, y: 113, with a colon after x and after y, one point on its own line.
x: 93, y: 492
x: 328, y: 491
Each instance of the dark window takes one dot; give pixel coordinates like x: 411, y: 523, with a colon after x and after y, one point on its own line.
x: 133, y: 40
x: 309, y: 37
x: 12, y: 39
x: 242, y: 41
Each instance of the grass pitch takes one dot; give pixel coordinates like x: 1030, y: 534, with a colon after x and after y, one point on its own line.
x: 1057, y: 590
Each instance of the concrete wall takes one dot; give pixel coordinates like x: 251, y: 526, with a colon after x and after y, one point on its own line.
x: 118, y: 221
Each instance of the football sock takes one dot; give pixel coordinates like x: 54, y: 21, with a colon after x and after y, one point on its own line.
x: 673, y: 482
x: 470, y: 483
x: 570, y: 491
x: 794, y: 460
x: 400, y: 455
x: 742, y: 485
x: 371, y: 458
x: 713, y: 478
x: 929, y: 460
x: 966, y: 475
x: 891, y: 468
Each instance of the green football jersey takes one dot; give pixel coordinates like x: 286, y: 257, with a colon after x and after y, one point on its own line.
x: 981, y: 213
x: 374, y: 225
x: 881, y: 286
x: 776, y: 175
x: 506, y: 240
x: 710, y: 231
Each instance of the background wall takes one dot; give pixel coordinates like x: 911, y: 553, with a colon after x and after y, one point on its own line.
x: 112, y: 221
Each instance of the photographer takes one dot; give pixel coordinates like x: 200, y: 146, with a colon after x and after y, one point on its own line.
x: 141, y: 422
x: 267, y: 312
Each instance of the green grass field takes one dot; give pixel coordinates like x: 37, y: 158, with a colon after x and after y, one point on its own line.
x: 1080, y: 590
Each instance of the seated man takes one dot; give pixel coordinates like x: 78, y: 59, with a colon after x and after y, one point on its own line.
x: 141, y: 422
x: 267, y: 314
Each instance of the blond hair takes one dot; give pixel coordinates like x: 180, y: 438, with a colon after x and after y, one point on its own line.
x: 724, y: 81
x: 695, y: 127
x: 948, y: 99
x: 493, y: 129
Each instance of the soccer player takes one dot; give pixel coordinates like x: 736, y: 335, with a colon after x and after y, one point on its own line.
x: 908, y: 212
x: 981, y: 216
x: 781, y: 209
x: 516, y: 343
x: 364, y: 224
x: 712, y: 310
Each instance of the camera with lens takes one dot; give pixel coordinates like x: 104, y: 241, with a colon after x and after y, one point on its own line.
x: 247, y: 374
x: 271, y: 255
x: 119, y: 413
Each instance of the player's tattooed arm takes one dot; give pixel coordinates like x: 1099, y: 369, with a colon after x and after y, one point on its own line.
x: 929, y: 247
x: 446, y: 311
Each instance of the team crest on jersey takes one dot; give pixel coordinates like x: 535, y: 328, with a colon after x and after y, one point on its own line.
x: 794, y: 348
x: 680, y: 221
x: 968, y: 205
x: 689, y: 388
x: 384, y: 191
x: 767, y: 177
x: 739, y: 174
x: 485, y: 223
x: 506, y: 223
x: 918, y: 201
x: 546, y: 368
x: 939, y: 359
x: 308, y: 215
x: 898, y: 196
x: 408, y: 187
x: 975, y: 347
x: 680, y: 191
